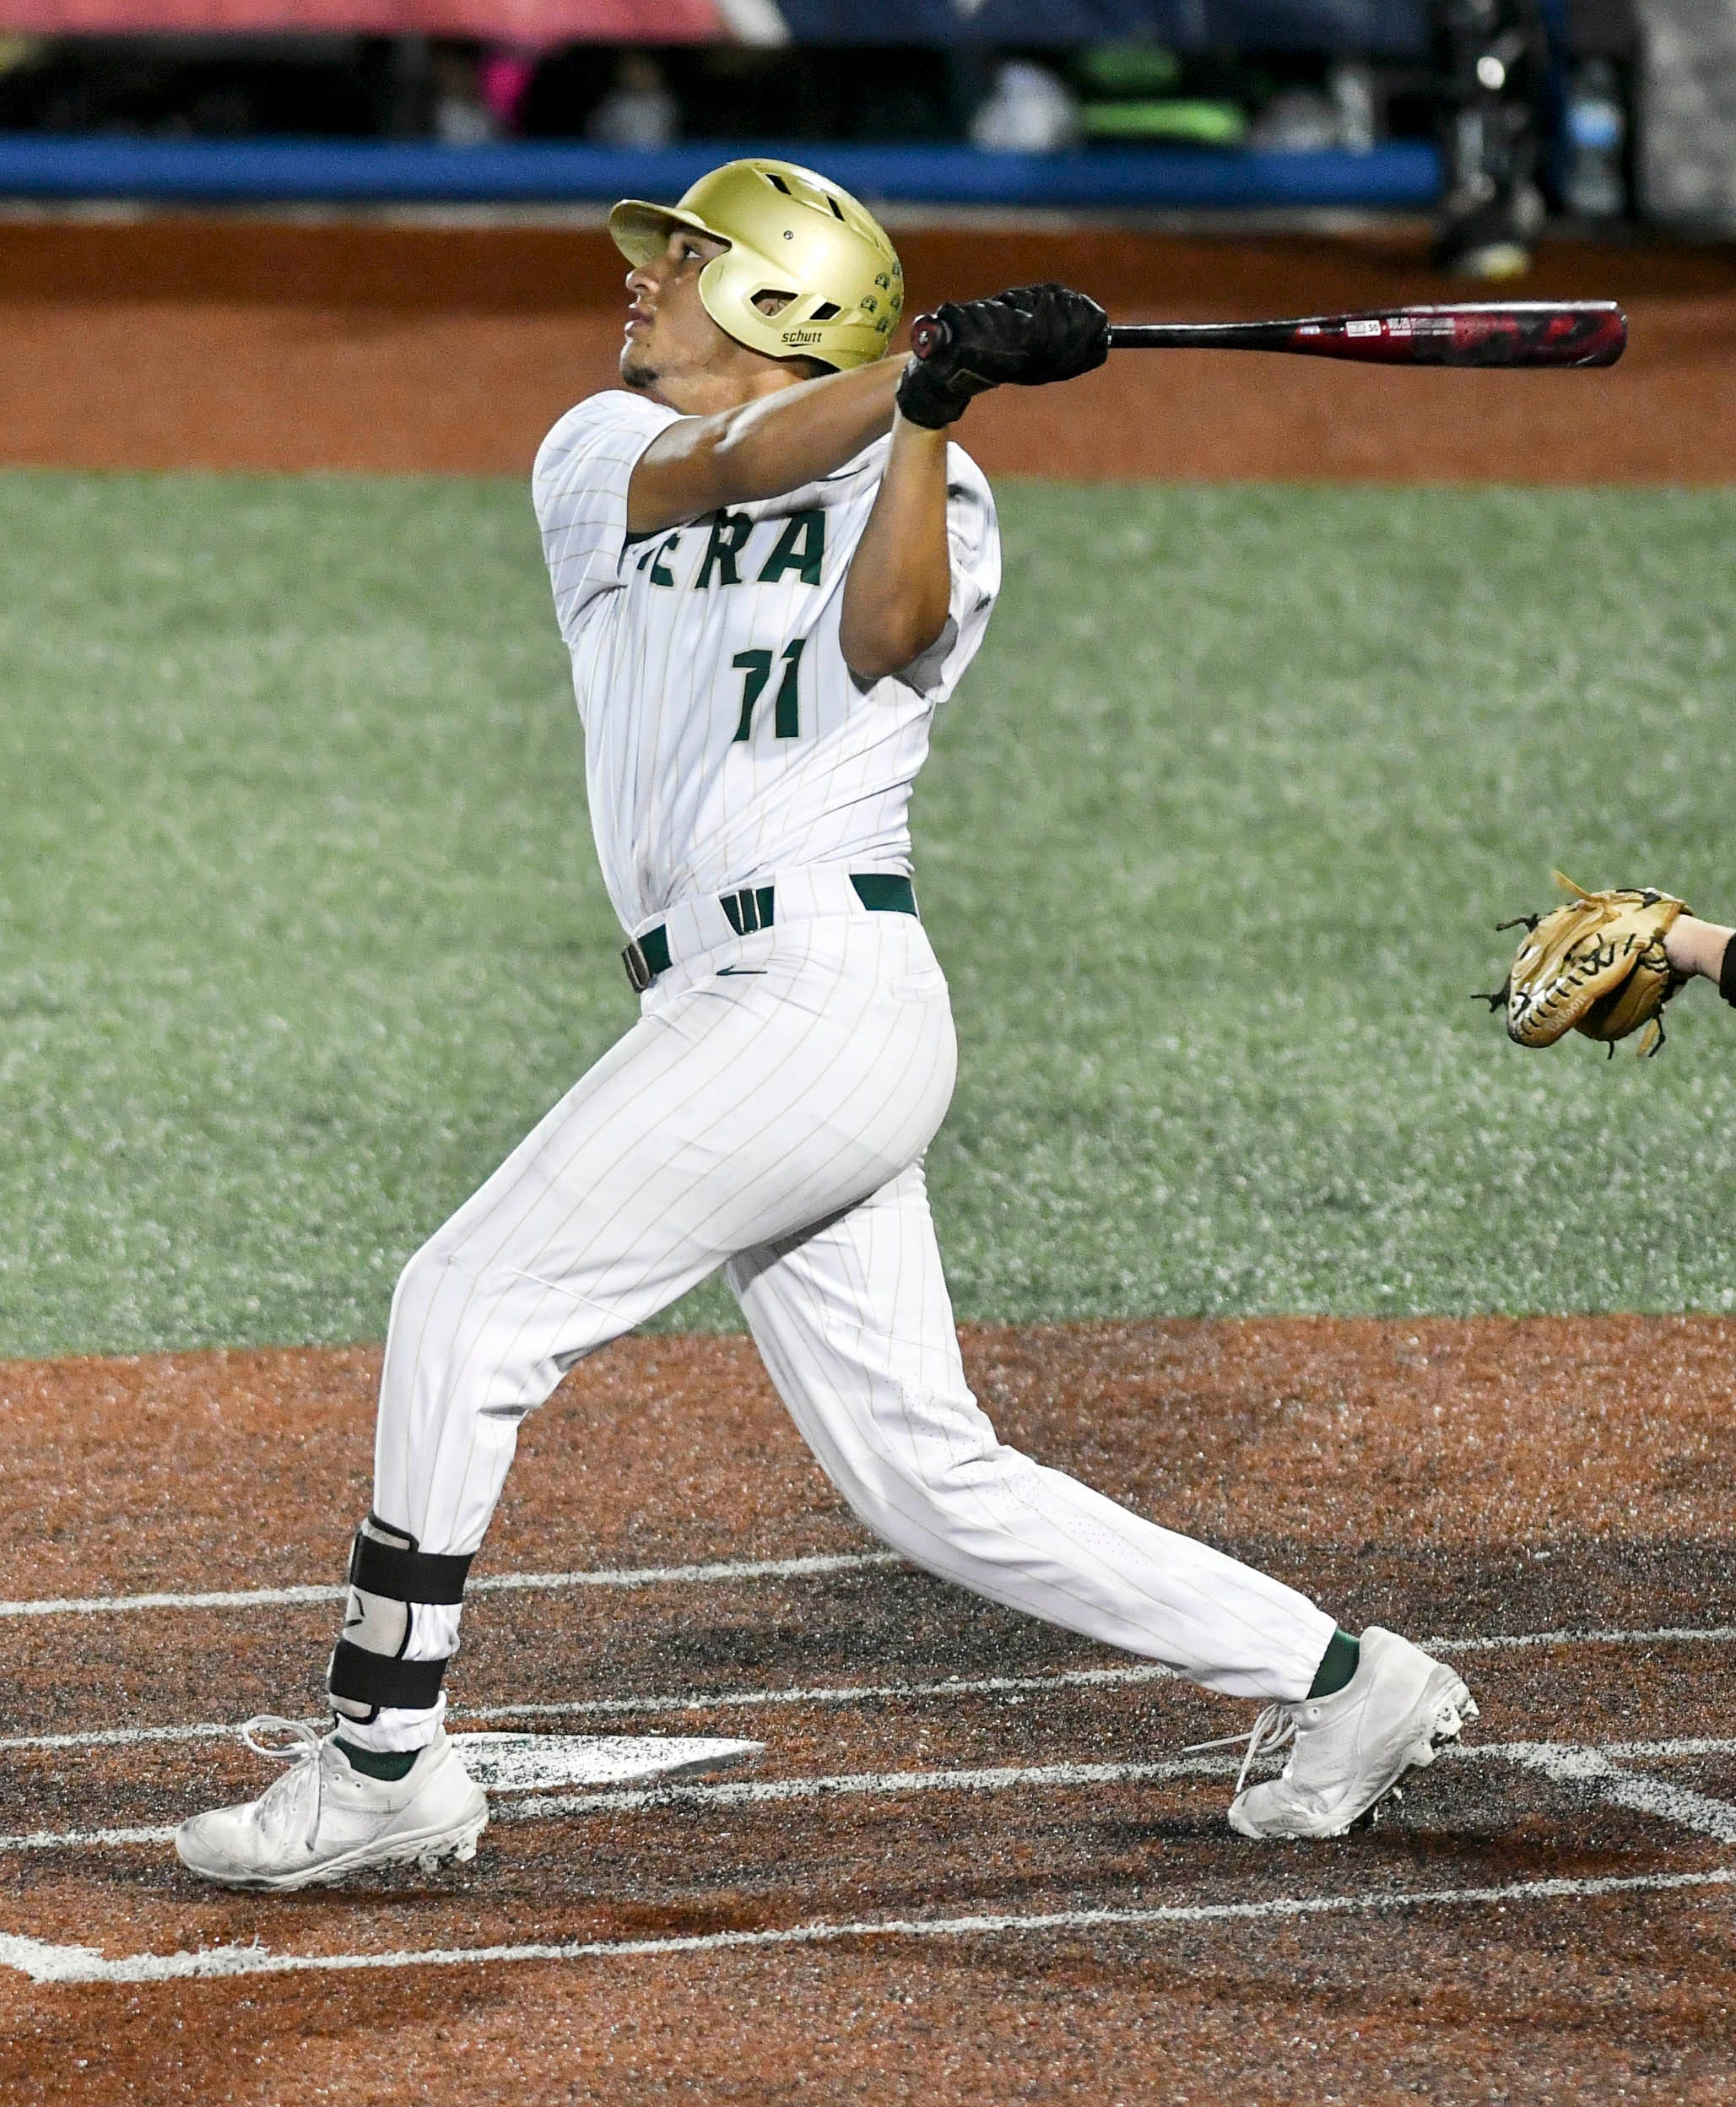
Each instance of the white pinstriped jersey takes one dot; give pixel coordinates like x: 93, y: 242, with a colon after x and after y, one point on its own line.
x: 725, y: 738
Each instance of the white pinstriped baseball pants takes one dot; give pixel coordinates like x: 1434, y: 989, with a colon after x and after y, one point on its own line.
x: 768, y: 1114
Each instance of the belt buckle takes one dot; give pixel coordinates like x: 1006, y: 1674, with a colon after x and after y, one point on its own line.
x: 638, y: 972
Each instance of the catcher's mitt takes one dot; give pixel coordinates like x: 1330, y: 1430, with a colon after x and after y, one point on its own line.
x: 1597, y: 965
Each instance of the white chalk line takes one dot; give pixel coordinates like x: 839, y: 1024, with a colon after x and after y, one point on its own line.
x: 1657, y: 1635
x: 1566, y: 1764
x: 1682, y: 1747
x: 629, y: 1800
x: 44, y: 1963
x: 726, y: 1569
x: 1560, y: 1762
x: 699, y: 1701
x: 769, y: 1791
x: 840, y: 1693
x: 865, y: 1693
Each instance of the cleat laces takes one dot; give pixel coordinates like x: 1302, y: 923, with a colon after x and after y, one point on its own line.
x: 1275, y: 1729
x: 306, y: 1777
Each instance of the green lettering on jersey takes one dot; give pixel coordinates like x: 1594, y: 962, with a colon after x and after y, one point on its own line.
x: 660, y: 573
x: 729, y: 530
x: 757, y: 666
x: 800, y: 547
x: 786, y: 710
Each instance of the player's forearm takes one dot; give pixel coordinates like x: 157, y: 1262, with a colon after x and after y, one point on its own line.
x: 760, y: 448
x: 1694, y: 946
x: 900, y: 586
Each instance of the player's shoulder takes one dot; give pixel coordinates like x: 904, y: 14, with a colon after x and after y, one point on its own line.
x: 614, y: 421
x: 613, y: 409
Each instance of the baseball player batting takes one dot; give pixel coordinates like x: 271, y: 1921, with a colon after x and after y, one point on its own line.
x: 772, y: 566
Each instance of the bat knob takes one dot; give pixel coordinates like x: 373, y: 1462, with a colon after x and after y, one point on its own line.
x: 927, y: 334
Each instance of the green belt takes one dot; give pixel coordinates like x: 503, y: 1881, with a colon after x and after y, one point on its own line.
x: 755, y: 907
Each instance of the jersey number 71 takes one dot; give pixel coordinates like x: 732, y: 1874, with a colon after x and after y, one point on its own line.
x: 756, y: 667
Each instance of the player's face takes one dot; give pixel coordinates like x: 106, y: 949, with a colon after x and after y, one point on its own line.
x: 669, y: 334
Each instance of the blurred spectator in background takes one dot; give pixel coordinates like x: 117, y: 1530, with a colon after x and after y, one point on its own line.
x: 1491, y: 60
x: 505, y: 72
x: 1342, y: 113
x: 1030, y: 110
x: 460, y: 115
x: 18, y: 52
x: 638, y: 112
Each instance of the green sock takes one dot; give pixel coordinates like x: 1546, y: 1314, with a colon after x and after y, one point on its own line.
x: 391, y: 1767
x: 1338, y: 1664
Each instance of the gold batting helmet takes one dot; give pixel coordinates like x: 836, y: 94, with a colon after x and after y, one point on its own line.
x: 808, y: 272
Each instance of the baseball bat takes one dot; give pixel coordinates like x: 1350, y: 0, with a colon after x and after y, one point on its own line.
x: 1521, y: 333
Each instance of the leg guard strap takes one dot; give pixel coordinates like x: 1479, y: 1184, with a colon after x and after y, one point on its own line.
x: 383, y: 1684
x: 403, y: 1574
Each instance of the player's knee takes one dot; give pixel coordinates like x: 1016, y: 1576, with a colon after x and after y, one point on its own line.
x: 426, y: 1275
x: 908, y: 1500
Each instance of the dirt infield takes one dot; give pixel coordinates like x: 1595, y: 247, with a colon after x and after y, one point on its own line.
x: 974, y: 1862
x: 233, y: 344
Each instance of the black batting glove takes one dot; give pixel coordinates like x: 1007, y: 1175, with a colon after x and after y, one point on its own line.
x: 1048, y: 333
x: 1025, y: 337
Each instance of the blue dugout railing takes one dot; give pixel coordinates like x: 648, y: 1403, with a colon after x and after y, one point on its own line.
x: 1393, y: 177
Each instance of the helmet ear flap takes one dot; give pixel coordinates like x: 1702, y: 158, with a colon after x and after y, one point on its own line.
x: 720, y: 289
x: 730, y: 287
x: 713, y: 280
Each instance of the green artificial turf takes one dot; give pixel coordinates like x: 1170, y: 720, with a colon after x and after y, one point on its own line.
x: 299, y: 928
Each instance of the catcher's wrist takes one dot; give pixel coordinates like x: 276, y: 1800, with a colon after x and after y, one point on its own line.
x: 1693, y: 946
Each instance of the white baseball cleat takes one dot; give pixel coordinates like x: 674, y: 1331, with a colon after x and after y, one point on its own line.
x: 323, y: 1819
x: 1348, y: 1751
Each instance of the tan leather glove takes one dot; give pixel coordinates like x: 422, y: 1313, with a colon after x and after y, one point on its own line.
x: 1597, y: 965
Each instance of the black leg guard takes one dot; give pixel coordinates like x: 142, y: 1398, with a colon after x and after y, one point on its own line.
x: 388, y: 1576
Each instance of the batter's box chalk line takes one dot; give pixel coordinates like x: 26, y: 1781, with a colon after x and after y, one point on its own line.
x: 1564, y: 1764
x: 512, y: 1765
x: 509, y: 1762
x: 45, y: 1963
x: 715, y: 1572
x: 947, y: 1689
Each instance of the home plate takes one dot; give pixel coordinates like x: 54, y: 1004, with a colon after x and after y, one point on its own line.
x: 530, y: 1762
